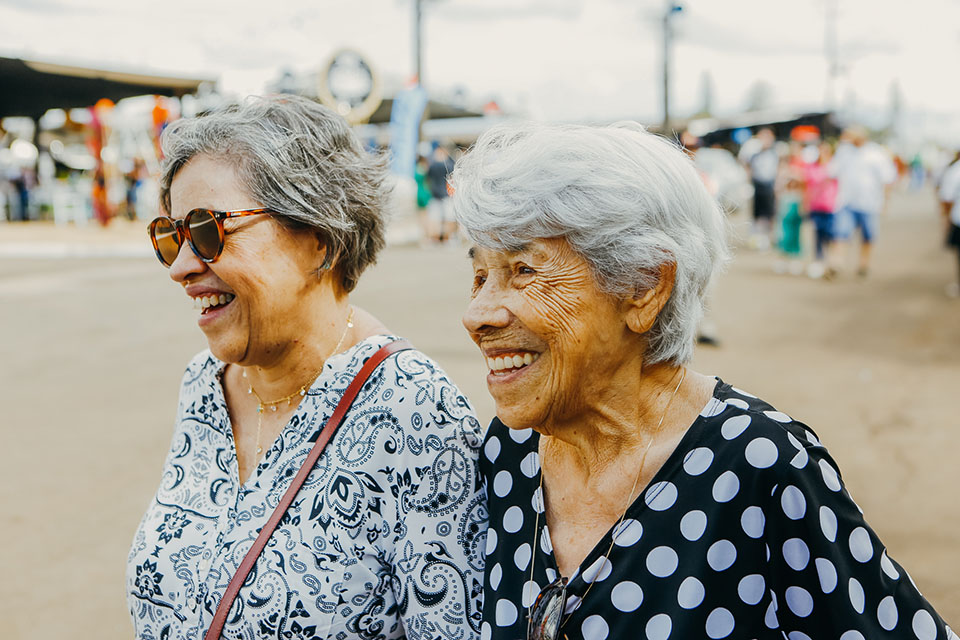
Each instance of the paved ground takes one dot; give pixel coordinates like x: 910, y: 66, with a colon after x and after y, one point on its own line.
x: 92, y: 349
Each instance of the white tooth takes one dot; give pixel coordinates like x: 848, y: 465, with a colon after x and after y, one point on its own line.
x: 517, y: 361
x: 223, y: 299
x: 196, y: 303
x: 527, y: 358
x: 499, y: 364
x: 207, y: 301
x: 491, y: 363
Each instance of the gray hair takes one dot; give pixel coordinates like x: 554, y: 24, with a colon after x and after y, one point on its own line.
x: 300, y: 159
x: 626, y: 200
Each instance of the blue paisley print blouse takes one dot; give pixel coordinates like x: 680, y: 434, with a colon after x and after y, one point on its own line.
x: 383, y: 541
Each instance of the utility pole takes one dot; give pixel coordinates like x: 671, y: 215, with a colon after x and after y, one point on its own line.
x: 672, y: 8
x: 417, y: 39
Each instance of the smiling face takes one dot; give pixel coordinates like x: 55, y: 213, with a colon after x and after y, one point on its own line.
x: 551, y: 338
x: 252, y: 299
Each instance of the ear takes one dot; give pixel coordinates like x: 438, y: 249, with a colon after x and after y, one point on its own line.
x: 323, y: 248
x: 642, y: 311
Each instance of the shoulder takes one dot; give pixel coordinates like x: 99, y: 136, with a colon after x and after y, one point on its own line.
x: 765, y: 447
x: 423, y: 398
x: 950, y: 183
x: 198, y: 381
x: 202, y: 365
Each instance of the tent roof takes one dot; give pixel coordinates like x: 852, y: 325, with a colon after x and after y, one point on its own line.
x: 29, y: 88
x: 437, y: 110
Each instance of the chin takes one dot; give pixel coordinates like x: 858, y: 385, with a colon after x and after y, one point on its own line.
x: 516, y: 417
x: 224, y: 351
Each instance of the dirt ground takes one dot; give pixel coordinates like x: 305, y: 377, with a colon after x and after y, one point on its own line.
x: 92, y: 349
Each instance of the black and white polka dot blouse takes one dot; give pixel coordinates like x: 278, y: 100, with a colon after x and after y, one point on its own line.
x: 745, y: 532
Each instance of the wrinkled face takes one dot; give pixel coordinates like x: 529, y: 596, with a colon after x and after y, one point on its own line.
x: 549, y: 335
x: 250, y: 301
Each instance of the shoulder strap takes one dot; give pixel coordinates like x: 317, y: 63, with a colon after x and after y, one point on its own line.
x: 326, y: 433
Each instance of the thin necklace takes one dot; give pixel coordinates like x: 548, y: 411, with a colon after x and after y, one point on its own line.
x: 302, y: 391
x: 615, y: 531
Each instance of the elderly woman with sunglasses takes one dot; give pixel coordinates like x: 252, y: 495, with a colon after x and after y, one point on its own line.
x: 274, y: 212
x: 629, y: 496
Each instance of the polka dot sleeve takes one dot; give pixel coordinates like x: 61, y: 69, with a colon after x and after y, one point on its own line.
x: 831, y: 575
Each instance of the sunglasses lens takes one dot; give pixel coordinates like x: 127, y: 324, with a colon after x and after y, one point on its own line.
x: 166, y: 240
x: 204, y: 233
x: 544, y: 622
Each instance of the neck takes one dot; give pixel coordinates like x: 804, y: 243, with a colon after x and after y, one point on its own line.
x: 622, y: 419
x: 298, y: 363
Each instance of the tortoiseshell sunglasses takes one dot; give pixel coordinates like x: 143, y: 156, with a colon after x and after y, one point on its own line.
x: 202, y: 229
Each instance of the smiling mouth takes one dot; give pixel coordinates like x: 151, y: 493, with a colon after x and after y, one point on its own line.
x: 212, y: 301
x: 510, y: 362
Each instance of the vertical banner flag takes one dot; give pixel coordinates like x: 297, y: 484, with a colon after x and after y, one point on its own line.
x: 405, y: 114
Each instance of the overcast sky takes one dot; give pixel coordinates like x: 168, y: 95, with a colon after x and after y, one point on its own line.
x: 557, y: 59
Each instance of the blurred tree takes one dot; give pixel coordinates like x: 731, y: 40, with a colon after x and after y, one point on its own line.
x: 896, y: 107
x: 759, y: 96
x: 706, y: 95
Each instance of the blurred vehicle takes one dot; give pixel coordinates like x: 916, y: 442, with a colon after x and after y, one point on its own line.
x: 726, y: 178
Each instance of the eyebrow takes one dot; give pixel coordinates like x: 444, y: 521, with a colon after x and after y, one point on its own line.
x: 518, y: 249
x: 472, y: 251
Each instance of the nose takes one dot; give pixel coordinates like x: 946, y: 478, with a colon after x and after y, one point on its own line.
x: 486, y: 312
x: 186, y: 264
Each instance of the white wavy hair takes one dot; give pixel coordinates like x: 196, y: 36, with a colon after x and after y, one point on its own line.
x: 626, y: 200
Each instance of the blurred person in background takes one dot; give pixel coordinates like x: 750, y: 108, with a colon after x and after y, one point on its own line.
x: 707, y: 332
x: 441, y: 217
x: 864, y: 172
x: 275, y: 210
x: 820, y: 191
x: 133, y: 179
x: 22, y: 183
x: 423, y: 196
x: 918, y: 172
x: 629, y: 495
x: 949, y: 194
x: 790, y: 200
x: 761, y: 158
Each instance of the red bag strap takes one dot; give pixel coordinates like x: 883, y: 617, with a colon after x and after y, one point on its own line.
x: 220, y: 617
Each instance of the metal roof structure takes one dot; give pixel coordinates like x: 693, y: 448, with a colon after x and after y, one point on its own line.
x: 29, y: 88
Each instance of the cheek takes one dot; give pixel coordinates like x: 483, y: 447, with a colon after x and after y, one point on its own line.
x: 558, y: 310
x: 248, y: 249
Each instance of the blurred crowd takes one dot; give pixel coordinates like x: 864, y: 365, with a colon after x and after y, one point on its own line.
x: 837, y: 187
x: 84, y: 165
x: 437, y: 223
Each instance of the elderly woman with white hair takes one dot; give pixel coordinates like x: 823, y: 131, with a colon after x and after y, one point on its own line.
x: 629, y: 496
x: 319, y: 484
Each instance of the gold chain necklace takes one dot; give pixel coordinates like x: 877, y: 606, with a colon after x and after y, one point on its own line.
x: 302, y: 391
x: 615, y: 531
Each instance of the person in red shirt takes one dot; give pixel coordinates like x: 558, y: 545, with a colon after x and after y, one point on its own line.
x: 821, y: 196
